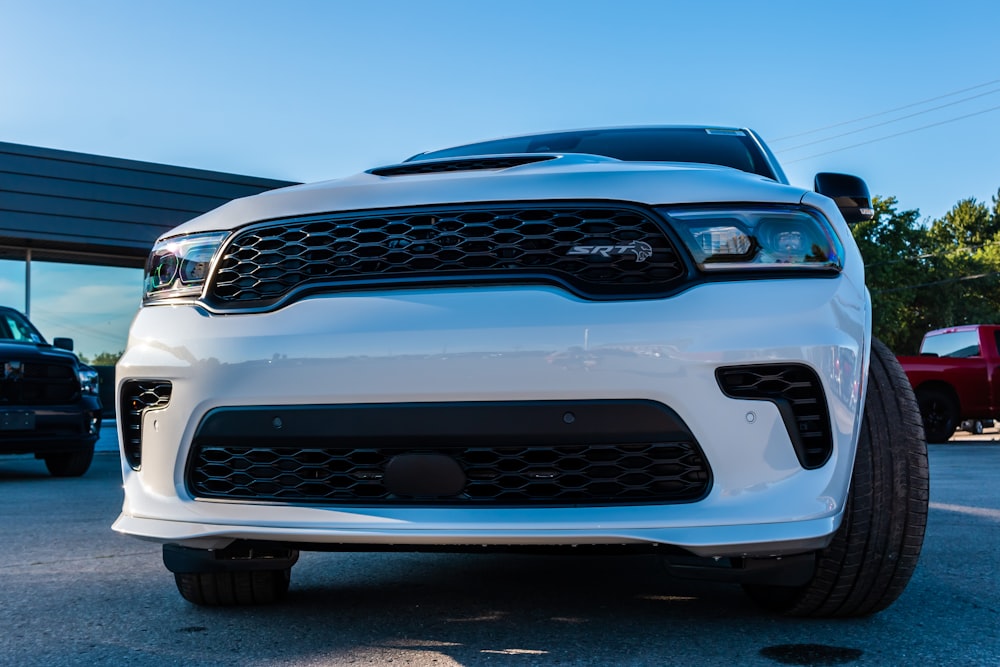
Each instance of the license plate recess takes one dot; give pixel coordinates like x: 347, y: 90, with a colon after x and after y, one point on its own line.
x: 17, y: 420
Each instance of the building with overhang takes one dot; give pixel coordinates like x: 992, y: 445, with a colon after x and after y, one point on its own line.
x: 61, y: 206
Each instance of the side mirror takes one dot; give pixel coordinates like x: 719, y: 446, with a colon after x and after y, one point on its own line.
x: 63, y: 343
x: 849, y: 192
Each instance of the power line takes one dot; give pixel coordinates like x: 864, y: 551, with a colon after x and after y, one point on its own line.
x: 891, y: 136
x: 882, y: 113
x: 928, y: 255
x: 938, y: 282
x: 914, y: 258
x: 75, y: 327
x: 887, y: 122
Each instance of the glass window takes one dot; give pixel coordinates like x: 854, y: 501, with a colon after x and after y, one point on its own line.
x: 12, y: 284
x: 93, y: 305
x: 952, y: 344
x: 729, y: 148
x: 13, y: 327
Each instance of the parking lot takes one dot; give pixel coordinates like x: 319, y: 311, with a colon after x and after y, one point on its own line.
x: 75, y: 593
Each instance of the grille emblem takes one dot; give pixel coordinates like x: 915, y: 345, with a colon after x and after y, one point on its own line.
x: 13, y: 370
x: 640, y: 249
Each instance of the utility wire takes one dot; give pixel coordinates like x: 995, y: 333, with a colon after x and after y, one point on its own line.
x: 914, y: 258
x: 74, y: 327
x: 882, y: 113
x: 887, y: 122
x: 891, y: 136
x: 937, y: 282
x: 929, y: 255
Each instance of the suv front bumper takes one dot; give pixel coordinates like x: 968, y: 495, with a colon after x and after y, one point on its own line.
x: 512, y: 344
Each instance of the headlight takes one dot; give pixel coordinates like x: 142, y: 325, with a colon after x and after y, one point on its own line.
x: 89, y: 380
x: 178, y: 267
x: 758, y: 239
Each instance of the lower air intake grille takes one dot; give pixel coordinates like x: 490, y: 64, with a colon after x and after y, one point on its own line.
x: 797, y: 392
x: 595, y: 251
x: 138, y: 396
x: 604, y: 474
x: 499, y: 453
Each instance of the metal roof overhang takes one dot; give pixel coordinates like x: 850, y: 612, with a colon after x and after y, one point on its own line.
x: 61, y: 206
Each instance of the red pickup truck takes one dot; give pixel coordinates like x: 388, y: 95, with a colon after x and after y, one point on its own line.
x: 956, y: 377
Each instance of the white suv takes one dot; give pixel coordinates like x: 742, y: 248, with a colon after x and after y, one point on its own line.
x: 628, y: 339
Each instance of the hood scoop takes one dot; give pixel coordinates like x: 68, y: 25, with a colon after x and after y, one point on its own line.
x: 461, y: 164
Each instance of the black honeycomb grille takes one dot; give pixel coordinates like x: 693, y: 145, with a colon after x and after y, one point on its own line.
x: 137, y: 397
x: 550, y: 475
x: 797, y: 392
x: 597, y: 252
x: 35, y: 383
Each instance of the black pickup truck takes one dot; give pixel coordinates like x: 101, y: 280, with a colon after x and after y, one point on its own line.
x: 49, y: 404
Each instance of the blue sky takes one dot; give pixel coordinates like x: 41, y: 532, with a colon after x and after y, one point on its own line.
x: 310, y: 90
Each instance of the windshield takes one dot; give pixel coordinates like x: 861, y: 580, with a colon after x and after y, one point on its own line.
x: 16, y: 328
x: 725, y: 147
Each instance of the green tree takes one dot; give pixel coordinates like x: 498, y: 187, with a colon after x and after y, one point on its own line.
x: 969, y: 224
x: 104, y: 358
x: 925, y: 277
x: 893, y: 245
x: 965, y: 242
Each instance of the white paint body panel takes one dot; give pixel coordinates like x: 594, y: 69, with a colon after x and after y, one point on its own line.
x: 565, y: 177
x: 488, y: 343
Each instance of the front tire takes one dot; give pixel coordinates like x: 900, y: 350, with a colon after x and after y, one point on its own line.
x: 69, y: 464
x: 875, y: 550
x: 224, y: 589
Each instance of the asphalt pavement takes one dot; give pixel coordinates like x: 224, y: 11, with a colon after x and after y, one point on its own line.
x: 72, y: 592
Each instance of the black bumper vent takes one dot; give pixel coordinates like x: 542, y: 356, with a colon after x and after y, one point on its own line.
x: 37, y: 383
x: 797, y: 392
x: 442, y: 166
x: 597, y: 252
x: 509, y: 453
x: 602, y: 474
x: 138, y: 396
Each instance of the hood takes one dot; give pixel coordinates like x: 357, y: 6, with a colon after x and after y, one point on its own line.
x: 12, y: 351
x: 546, y: 177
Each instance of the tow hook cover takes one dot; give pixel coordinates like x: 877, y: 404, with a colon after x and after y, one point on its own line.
x: 424, y: 476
